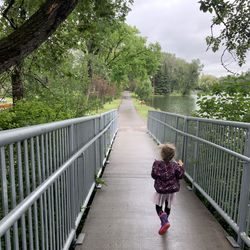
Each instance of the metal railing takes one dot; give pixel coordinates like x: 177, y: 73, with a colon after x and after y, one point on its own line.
x: 216, y: 155
x: 47, y: 177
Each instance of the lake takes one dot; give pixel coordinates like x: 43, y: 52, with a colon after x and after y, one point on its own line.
x: 183, y: 105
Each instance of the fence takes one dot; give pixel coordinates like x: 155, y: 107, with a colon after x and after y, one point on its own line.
x: 216, y: 156
x: 47, y: 176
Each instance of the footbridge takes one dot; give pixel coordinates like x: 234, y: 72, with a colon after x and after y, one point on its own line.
x: 50, y: 172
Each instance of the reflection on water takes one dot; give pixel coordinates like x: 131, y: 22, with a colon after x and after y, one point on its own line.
x: 183, y: 105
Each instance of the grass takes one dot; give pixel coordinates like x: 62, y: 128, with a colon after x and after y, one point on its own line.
x: 8, y: 99
x: 107, y: 106
x: 141, y: 107
x: 175, y: 93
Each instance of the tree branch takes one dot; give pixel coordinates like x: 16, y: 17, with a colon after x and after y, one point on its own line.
x: 113, y: 49
x: 5, y: 12
x: 38, y: 79
x: 223, y: 63
x: 33, y: 32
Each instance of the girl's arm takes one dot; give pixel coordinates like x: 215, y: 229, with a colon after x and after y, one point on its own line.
x: 155, y: 170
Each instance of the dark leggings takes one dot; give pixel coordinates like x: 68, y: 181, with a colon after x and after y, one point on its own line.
x: 166, y: 209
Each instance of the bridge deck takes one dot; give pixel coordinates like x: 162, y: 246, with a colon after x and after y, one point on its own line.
x: 122, y: 215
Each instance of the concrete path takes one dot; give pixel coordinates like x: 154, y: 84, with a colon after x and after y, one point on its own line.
x: 122, y: 215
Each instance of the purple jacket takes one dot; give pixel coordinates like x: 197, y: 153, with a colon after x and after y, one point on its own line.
x: 167, y: 176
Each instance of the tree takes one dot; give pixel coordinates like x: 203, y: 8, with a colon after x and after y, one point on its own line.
x: 33, y: 32
x: 126, y: 55
x: 233, y: 18
x: 39, y: 26
x: 176, y: 74
x: 70, y: 34
x: 144, y: 90
x: 206, y: 82
x: 228, y: 99
x: 56, y: 76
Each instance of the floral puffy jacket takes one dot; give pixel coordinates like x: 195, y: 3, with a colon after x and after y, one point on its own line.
x: 167, y: 176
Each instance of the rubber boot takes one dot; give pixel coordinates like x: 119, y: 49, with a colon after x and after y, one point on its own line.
x: 164, y: 223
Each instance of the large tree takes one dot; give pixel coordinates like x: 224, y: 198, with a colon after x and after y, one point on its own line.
x: 33, y: 32
x: 42, y: 23
x: 26, y: 24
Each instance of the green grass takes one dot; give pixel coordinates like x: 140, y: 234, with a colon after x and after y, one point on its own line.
x: 141, y: 107
x: 8, y: 99
x: 175, y: 93
x: 107, y: 106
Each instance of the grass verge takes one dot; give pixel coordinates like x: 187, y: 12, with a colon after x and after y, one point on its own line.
x: 107, y: 106
x: 141, y: 107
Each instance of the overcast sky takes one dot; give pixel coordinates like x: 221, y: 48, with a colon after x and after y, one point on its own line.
x: 180, y: 28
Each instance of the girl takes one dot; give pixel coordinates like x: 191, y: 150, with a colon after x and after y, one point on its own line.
x: 166, y: 174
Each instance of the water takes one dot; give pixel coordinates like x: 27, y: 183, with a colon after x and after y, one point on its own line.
x: 183, y: 105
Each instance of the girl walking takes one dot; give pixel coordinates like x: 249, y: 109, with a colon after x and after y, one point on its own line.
x: 166, y: 173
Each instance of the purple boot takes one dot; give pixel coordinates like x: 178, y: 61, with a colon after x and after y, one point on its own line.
x: 164, y: 223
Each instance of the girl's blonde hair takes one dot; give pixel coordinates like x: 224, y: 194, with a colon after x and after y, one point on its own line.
x: 167, y: 152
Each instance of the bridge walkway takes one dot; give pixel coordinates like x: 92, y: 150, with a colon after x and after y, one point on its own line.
x: 122, y: 215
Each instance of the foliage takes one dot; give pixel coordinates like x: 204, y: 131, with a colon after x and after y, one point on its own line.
x: 27, y: 113
x: 229, y: 99
x: 90, y: 58
x: 176, y: 74
x: 233, y: 19
x: 19, y: 19
x: 126, y: 55
x: 114, y: 104
x: 206, y: 82
x: 144, y: 90
x: 100, y: 181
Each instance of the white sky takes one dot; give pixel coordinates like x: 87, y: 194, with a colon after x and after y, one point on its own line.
x: 180, y: 28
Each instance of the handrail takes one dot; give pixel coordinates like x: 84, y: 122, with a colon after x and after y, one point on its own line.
x: 209, y: 120
x: 18, y: 134
x: 242, y: 157
x: 17, y: 212
x: 48, y: 174
x: 216, y: 155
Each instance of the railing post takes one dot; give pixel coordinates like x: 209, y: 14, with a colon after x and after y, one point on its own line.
x: 244, y: 193
x: 184, y: 142
x: 176, y: 133
x: 196, y: 148
x: 164, y: 129
x: 95, y: 148
x: 101, y: 141
x: 71, y: 174
x: 148, y: 122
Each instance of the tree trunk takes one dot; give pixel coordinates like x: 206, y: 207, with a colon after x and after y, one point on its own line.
x: 34, y: 32
x: 17, y: 83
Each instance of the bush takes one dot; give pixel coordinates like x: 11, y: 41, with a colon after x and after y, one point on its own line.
x: 144, y: 90
x: 229, y: 100
x: 27, y: 113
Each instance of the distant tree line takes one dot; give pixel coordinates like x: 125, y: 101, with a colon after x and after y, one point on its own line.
x: 176, y: 75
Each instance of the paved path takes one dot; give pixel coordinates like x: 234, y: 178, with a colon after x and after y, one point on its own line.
x: 122, y: 215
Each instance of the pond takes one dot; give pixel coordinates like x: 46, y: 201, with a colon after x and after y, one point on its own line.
x: 183, y: 105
